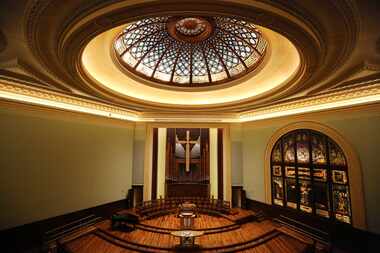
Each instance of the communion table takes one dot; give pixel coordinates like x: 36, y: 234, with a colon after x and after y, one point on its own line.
x: 187, y: 238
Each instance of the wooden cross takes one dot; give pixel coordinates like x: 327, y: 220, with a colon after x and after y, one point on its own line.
x: 187, y: 154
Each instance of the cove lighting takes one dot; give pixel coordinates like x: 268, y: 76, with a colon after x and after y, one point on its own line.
x: 254, y: 116
x: 77, y: 105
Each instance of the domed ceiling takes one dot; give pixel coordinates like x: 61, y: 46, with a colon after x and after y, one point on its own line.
x: 209, y: 60
x: 190, y: 51
x: 191, y: 60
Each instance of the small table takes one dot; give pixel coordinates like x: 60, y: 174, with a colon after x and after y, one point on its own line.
x: 187, y: 238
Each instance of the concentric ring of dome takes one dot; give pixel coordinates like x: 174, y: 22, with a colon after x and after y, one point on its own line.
x: 279, y: 69
x: 190, y: 51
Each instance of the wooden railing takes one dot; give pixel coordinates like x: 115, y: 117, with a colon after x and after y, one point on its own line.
x: 154, y: 208
x: 52, y: 236
x: 127, y: 244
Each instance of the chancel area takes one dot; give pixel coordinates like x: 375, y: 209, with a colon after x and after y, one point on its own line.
x: 189, y: 126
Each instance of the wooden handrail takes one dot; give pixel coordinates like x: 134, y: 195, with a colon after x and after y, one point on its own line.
x: 303, y: 225
x: 73, y: 228
x: 92, y: 216
x: 225, y: 248
x: 183, y: 199
x: 298, y: 229
x: 160, y: 207
x: 211, y: 230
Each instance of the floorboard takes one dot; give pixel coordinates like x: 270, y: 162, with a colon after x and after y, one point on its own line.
x: 254, y: 236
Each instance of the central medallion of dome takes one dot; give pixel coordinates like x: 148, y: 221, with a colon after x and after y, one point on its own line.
x: 190, y: 30
x: 190, y: 51
x: 191, y: 26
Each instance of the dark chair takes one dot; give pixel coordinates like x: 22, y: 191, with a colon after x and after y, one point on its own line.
x: 124, y: 221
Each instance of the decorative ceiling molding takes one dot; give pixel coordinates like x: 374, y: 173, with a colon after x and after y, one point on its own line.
x: 338, y: 99
x: 344, y: 37
x: 34, y: 12
x: 76, y: 33
x: 21, y: 72
x: 325, y: 42
x: 361, y: 75
x: 305, y: 46
x: 275, y: 75
x: 349, y: 13
x: 366, y: 81
x: 52, y: 99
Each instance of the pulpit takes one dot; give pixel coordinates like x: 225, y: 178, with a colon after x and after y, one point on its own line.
x: 187, y: 212
x: 187, y: 220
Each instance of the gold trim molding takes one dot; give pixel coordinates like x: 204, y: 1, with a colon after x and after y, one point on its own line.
x: 56, y: 43
x: 47, y: 98
x: 339, y: 99
x: 43, y: 97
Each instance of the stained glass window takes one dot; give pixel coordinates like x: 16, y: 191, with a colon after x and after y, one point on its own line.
x: 190, y: 51
x: 289, y: 149
x: 309, y: 173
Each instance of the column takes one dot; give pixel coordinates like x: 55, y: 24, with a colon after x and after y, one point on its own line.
x: 148, y: 164
x: 161, y: 162
x: 227, y: 173
x: 214, y: 162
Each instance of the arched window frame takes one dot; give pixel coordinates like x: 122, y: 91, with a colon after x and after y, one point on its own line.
x: 353, y: 167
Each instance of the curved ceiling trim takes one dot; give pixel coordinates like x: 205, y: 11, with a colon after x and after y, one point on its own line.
x: 283, y: 64
x: 58, y: 46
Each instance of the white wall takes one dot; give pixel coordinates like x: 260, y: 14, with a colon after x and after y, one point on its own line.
x: 53, y: 163
x: 360, y: 128
x: 138, y: 154
x: 236, y: 154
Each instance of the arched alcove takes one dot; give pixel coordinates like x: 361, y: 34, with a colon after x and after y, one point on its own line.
x: 353, y: 166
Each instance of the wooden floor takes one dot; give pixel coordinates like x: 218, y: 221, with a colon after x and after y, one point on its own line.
x: 264, y: 236
x: 202, y: 222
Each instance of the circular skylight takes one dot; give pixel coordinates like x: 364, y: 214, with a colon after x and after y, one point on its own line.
x: 190, y: 51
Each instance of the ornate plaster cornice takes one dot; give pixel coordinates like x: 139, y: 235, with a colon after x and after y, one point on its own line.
x: 58, y: 44
x: 45, y: 98
x: 33, y: 11
x: 347, y: 36
x: 333, y: 100
x: 76, y: 30
x: 52, y: 99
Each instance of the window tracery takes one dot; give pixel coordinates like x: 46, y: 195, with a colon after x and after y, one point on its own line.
x: 309, y: 173
x: 190, y: 51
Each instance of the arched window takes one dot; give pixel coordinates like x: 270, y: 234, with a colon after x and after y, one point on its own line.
x: 309, y: 173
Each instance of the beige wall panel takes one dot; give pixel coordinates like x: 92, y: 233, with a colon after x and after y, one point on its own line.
x: 138, y: 154
x: 236, y: 154
x: 55, y: 163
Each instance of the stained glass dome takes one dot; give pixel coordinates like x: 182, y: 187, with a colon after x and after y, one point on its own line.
x: 190, y: 51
